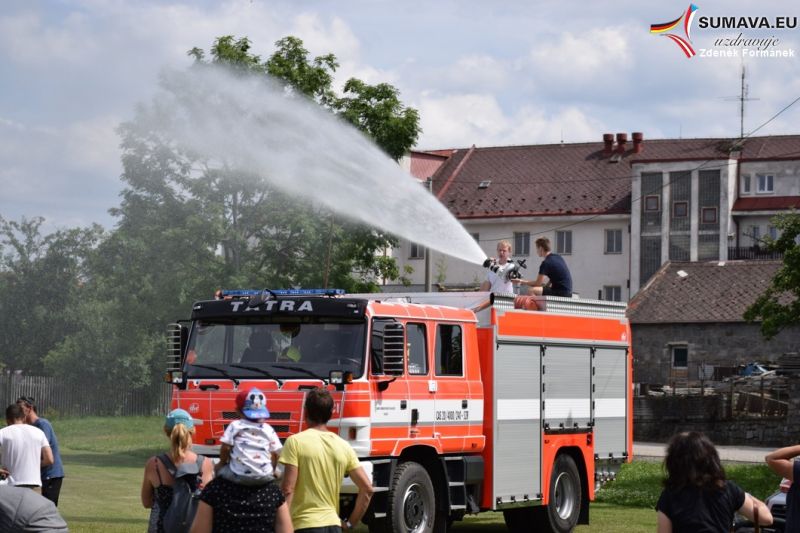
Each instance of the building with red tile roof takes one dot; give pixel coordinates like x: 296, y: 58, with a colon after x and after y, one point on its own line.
x: 617, y: 209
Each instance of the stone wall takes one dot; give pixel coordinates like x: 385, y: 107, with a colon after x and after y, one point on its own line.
x: 718, y: 344
x: 657, y: 418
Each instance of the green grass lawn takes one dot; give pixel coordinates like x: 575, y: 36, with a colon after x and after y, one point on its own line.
x: 104, y: 460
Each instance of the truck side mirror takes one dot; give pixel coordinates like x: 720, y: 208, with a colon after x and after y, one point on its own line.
x: 394, y: 349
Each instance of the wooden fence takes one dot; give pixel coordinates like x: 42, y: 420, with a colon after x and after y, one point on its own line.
x: 55, y: 399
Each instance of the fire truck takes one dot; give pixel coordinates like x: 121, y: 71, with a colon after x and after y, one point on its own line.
x: 456, y: 403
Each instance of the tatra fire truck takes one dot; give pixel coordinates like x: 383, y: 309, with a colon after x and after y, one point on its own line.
x: 456, y: 403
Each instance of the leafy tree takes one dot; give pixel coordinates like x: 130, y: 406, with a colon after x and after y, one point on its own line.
x: 779, y: 306
x: 42, y: 277
x: 186, y: 227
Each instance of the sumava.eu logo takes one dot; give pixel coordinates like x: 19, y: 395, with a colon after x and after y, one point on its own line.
x: 673, y: 29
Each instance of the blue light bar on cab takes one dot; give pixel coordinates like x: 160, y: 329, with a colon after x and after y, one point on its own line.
x: 280, y: 292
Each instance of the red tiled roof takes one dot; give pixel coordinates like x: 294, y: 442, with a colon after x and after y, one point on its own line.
x: 424, y: 165
x: 710, y: 292
x: 766, y: 203
x: 573, y: 179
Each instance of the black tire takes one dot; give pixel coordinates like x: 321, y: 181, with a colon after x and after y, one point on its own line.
x: 564, y: 508
x: 412, y: 502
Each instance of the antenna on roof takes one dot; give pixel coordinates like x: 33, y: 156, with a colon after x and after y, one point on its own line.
x: 742, y: 98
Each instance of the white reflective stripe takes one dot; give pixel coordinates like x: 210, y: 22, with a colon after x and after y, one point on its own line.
x: 567, y: 408
x: 527, y: 409
x: 609, y: 407
x: 429, y: 411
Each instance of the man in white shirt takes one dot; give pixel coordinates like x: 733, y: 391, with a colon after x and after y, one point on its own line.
x: 496, y: 281
x: 23, y: 450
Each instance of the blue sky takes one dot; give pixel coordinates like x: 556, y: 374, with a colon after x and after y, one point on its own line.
x: 488, y: 73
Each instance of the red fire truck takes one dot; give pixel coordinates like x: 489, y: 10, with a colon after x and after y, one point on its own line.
x: 456, y: 403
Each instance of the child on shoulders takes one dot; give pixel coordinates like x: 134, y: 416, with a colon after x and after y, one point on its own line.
x: 250, y: 447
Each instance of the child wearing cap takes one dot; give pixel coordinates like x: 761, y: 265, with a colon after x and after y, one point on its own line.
x: 250, y: 446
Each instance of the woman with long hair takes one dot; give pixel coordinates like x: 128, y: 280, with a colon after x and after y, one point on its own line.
x: 157, y: 483
x: 697, y: 497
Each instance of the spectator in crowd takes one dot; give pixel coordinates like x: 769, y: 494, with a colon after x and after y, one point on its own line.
x: 24, y: 450
x: 157, y: 482
x: 554, y: 268
x: 52, y: 475
x: 696, y: 495
x: 228, y: 506
x: 243, y: 497
x: 783, y: 462
x: 24, y: 510
x: 496, y: 281
x: 315, y: 462
x: 250, y: 447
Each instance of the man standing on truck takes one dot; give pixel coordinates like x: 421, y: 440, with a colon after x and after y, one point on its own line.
x: 553, y: 268
x: 316, y: 460
x: 495, y: 279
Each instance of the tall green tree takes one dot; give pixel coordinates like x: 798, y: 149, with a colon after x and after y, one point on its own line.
x: 186, y: 227
x: 779, y: 306
x: 42, y: 277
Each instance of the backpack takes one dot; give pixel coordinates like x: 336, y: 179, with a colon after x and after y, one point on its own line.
x: 179, y: 515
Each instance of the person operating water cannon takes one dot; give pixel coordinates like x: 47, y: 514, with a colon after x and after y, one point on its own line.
x: 501, y: 271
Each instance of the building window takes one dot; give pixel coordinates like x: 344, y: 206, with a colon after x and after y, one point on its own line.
x: 773, y: 232
x: 746, y: 184
x: 708, y: 215
x: 417, y: 349
x: 613, y: 241
x: 680, y: 356
x: 564, y: 242
x: 612, y: 293
x: 765, y: 183
x: 652, y: 203
x: 522, y: 243
x: 449, y: 356
x: 417, y: 251
x: 680, y: 209
x: 754, y: 232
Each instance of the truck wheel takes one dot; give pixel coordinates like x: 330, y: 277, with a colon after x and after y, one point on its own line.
x: 412, y: 504
x: 565, y: 496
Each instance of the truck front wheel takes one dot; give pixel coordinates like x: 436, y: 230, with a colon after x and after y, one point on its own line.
x: 412, y: 503
x: 565, y: 496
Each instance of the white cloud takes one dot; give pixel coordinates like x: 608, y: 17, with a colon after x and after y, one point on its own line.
x: 571, y: 61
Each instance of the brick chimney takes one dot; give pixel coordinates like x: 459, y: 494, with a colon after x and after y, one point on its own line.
x: 608, y: 144
x: 638, y: 139
x: 622, y: 141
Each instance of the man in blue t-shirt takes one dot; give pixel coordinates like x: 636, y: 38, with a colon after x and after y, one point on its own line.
x: 554, y: 268
x: 52, y: 475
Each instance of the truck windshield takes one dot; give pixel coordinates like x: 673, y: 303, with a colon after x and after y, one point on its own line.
x: 280, y: 349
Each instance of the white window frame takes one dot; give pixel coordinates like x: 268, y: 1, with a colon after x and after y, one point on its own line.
x: 615, y: 249
x: 765, y: 183
x: 564, y: 242
x: 522, y: 243
x: 612, y: 291
x: 745, y: 187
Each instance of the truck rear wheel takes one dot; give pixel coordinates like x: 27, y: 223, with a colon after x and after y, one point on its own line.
x: 565, y: 496
x: 412, y: 503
